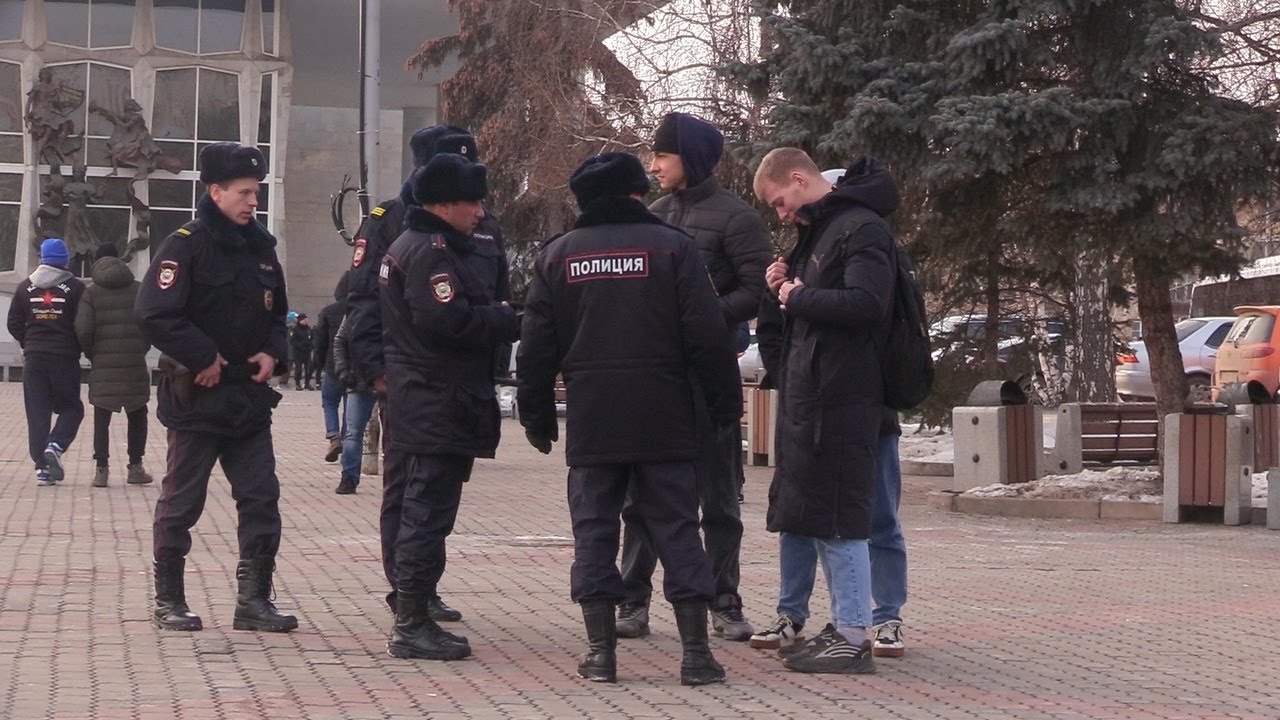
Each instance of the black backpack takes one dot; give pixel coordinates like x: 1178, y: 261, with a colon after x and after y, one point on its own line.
x: 907, y: 362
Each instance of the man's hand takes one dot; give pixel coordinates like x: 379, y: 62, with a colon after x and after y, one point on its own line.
x: 784, y: 293
x: 776, y: 275
x: 542, y: 441
x: 266, y: 366
x: 210, y: 376
x: 380, y: 384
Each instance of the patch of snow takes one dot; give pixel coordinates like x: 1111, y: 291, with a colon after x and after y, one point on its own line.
x: 1260, y: 487
x: 1141, y: 484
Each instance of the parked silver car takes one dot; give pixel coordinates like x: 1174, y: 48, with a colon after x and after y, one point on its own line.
x: 1198, y: 340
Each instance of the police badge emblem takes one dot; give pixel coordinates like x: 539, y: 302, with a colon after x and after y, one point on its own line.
x: 442, y: 286
x: 357, y: 256
x: 268, y: 300
x: 167, y: 275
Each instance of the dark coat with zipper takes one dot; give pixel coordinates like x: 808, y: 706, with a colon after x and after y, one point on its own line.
x: 216, y: 288
x: 621, y: 306
x: 112, y: 340
x: 443, y: 317
x: 831, y: 406
x: 732, y: 241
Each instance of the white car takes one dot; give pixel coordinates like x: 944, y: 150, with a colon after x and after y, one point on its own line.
x: 1198, y: 341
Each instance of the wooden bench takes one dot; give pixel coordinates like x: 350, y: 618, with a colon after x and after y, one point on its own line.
x: 760, y: 414
x: 1105, y: 434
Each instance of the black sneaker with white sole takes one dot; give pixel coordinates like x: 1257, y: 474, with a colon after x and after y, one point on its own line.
x: 833, y: 654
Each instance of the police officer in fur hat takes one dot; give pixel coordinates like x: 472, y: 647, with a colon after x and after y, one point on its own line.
x: 442, y: 321
x: 364, y: 323
x: 213, y: 302
x: 621, y: 306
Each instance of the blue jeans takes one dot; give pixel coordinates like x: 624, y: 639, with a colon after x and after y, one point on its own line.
x: 359, y: 408
x: 798, y: 556
x: 331, y: 392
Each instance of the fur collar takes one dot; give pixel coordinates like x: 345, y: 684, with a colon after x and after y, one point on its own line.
x: 419, y: 219
x: 618, y: 211
x: 225, y: 232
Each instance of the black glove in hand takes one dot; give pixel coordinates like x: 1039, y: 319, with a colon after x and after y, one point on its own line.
x: 542, y: 441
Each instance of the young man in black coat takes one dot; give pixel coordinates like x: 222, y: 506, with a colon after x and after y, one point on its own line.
x: 42, y: 318
x: 213, y: 302
x: 834, y: 290
x: 300, y: 352
x: 622, y: 308
x: 733, y: 243
x: 442, y: 323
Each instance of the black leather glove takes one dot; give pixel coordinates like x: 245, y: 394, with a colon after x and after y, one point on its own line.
x: 542, y: 440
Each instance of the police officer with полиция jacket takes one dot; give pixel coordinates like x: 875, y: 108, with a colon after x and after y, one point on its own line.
x: 213, y: 302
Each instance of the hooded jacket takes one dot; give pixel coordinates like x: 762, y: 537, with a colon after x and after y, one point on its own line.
x: 112, y: 340
x: 327, y: 328
x: 42, y: 315
x: 831, y: 405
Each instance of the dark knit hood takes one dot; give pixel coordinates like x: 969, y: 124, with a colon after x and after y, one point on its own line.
x: 698, y: 143
x: 112, y: 273
x: 867, y: 183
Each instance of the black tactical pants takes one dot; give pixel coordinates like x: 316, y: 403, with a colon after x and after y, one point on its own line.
x: 250, y: 466
x: 432, y: 491
x: 664, y: 502
x: 719, y: 473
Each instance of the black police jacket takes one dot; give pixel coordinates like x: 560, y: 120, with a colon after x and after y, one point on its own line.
x: 373, y: 238
x: 42, y: 316
x: 442, y: 323
x: 215, y: 288
x: 621, y: 306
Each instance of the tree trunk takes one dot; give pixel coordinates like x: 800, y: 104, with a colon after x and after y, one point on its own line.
x: 1094, y: 344
x: 991, y: 336
x: 1156, y: 310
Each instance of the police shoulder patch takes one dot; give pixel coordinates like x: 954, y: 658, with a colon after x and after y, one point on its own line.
x: 183, y: 231
x: 167, y: 274
x: 607, y: 265
x: 378, y: 211
x: 357, y: 256
x: 442, y: 287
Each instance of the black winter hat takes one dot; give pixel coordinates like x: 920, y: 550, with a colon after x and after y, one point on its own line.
x: 698, y: 143
x: 226, y: 161
x: 608, y: 174
x: 436, y: 139
x: 448, y: 178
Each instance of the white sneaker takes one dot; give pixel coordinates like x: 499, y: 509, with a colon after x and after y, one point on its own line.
x: 886, y: 639
x: 783, y: 631
x: 53, y: 461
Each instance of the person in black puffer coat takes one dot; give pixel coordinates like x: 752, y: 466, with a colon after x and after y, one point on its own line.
x: 119, y: 380
x: 300, y: 352
x: 331, y: 391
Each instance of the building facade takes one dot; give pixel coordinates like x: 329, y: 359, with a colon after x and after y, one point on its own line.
x: 279, y: 74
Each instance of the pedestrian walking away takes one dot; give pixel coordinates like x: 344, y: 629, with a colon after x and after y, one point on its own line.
x: 119, y: 380
x: 442, y: 323
x: 733, y: 243
x: 214, y: 302
x: 365, y: 345
x: 332, y: 392
x: 621, y: 307
x: 301, y: 352
x: 42, y: 319
x: 835, y: 319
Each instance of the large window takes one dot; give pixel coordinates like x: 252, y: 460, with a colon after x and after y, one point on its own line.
x: 12, y: 102
x: 10, y: 20
x: 270, y: 28
x: 90, y: 23
x: 193, y: 108
x: 200, y: 26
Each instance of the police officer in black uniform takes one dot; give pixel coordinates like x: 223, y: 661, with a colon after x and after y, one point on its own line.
x: 379, y: 230
x: 213, y: 302
x: 622, y: 307
x: 442, y: 322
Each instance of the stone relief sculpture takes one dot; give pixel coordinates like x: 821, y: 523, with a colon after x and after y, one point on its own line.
x: 48, y: 115
x: 49, y: 216
x: 131, y: 144
x: 78, y: 232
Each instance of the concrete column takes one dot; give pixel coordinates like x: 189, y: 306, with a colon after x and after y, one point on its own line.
x: 1172, y: 467
x: 1273, y: 499
x: 1068, y: 448
x: 1238, y: 507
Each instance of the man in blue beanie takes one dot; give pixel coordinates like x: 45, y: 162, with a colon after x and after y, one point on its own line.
x: 42, y: 318
x: 734, y: 245
x: 364, y: 321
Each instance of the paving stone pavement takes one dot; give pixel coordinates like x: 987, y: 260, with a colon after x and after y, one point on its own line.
x: 1008, y: 618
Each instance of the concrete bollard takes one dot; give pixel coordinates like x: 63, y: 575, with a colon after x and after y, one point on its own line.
x: 1068, y: 445
x: 1273, y: 499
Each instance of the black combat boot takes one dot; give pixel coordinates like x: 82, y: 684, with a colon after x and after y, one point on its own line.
x: 172, y: 612
x: 601, y: 661
x: 254, y: 610
x: 697, y: 667
x: 416, y: 635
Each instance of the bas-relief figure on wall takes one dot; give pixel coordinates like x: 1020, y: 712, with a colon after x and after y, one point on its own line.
x: 49, y: 106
